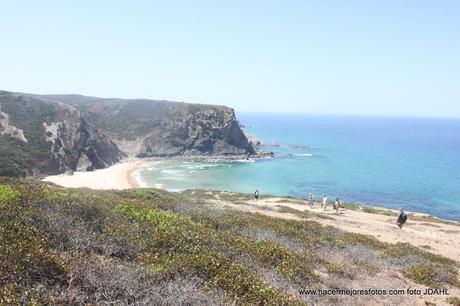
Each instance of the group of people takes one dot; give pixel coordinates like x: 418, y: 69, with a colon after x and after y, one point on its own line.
x: 323, y: 203
x: 402, y: 217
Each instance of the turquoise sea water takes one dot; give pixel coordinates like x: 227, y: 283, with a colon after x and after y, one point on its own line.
x: 412, y: 163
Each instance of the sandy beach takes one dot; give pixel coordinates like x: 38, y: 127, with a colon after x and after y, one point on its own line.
x: 115, y: 177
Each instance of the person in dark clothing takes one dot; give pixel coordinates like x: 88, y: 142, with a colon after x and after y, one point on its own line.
x: 256, y: 195
x: 402, y: 218
x: 337, y: 206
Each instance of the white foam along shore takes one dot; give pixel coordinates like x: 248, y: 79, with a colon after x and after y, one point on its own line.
x: 123, y: 175
x: 118, y: 176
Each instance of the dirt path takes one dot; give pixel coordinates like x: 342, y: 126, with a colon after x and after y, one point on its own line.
x: 438, y: 238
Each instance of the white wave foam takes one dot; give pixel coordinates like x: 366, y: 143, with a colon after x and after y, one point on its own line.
x: 303, y: 155
x: 199, y: 166
x: 170, y: 171
x: 245, y: 160
x: 139, y: 181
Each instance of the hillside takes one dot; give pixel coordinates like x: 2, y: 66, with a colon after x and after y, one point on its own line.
x: 150, y: 247
x: 54, y: 134
x: 39, y: 137
x: 147, y: 128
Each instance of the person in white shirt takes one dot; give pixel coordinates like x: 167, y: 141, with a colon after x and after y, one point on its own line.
x: 324, y: 204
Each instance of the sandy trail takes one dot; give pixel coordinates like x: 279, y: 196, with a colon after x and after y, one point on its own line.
x: 442, y: 239
x: 438, y: 238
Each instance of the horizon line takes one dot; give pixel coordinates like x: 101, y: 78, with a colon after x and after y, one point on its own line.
x: 350, y: 114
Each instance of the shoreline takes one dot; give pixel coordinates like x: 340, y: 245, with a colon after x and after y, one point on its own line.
x: 431, y: 233
x: 130, y: 174
x: 121, y: 176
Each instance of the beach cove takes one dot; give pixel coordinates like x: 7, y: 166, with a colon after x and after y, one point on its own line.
x: 389, y: 162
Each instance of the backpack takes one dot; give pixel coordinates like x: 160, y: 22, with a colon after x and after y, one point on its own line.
x: 403, y: 218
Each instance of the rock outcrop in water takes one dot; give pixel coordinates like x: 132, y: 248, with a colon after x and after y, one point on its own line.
x: 59, y: 133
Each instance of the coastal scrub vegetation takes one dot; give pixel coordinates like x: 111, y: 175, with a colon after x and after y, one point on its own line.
x: 148, y: 246
x: 131, y: 119
x: 18, y: 157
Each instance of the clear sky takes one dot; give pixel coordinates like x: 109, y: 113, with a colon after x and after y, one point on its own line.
x: 344, y: 57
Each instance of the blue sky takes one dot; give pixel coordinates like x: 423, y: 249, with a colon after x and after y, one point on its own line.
x: 341, y: 57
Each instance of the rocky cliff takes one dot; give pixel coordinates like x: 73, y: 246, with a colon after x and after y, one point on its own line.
x: 51, y: 134
x: 206, y: 132
x: 149, y: 128
x: 41, y: 137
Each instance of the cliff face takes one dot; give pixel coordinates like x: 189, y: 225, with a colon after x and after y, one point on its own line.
x: 40, y: 137
x: 148, y: 128
x: 76, y: 145
x: 207, y: 132
x: 58, y: 133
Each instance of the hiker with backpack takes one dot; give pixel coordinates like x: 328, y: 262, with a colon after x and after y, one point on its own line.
x: 402, y: 218
x: 337, y: 206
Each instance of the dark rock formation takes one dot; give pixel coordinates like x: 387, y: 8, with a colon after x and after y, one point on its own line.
x: 76, y: 145
x: 207, y: 132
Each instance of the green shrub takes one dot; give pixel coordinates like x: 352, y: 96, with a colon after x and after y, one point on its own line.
x: 432, y: 275
x: 7, y: 194
x: 453, y: 300
x: 62, y: 246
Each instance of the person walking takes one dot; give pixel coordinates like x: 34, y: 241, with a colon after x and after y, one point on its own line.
x: 324, y: 204
x: 337, y: 206
x: 256, y: 195
x: 402, y: 218
x: 310, y: 200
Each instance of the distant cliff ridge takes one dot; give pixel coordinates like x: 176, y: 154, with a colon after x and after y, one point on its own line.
x: 51, y: 134
x: 149, y: 128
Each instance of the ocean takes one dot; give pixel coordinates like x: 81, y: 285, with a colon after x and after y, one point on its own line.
x: 393, y: 162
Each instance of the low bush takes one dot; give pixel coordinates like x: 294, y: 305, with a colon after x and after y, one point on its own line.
x: 453, y: 300
x: 79, y: 246
x: 433, y: 275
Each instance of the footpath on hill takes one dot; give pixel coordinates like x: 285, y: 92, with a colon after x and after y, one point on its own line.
x: 436, y: 237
